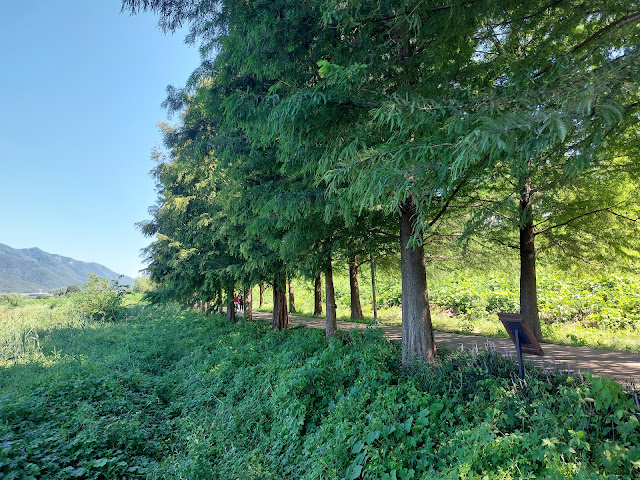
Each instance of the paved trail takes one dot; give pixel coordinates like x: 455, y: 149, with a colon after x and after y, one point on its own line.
x: 620, y: 366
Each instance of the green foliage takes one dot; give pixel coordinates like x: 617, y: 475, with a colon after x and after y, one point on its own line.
x: 101, y: 299
x: 23, y: 326
x: 169, y: 393
x: 12, y: 300
x: 68, y: 291
x: 142, y: 285
x: 606, y: 301
x: 306, y: 129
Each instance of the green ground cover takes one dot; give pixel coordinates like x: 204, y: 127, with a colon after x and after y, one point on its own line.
x: 599, y: 310
x: 168, y: 393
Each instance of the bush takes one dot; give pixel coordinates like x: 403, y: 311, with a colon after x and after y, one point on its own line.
x: 12, y: 300
x: 102, y: 299
x: 142, y: 285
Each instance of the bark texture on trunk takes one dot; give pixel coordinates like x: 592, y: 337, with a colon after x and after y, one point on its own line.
x: 248, y: 311
x: 417, y: 331
x: 330, y: 298
x: 356, y: 307
x: 374, y: 301
x: 261, y: 294
x: 231, y: 311
x: 219, y: 306
x: 292, y: 300
x: 528, y: 281
x: 280, y: 315
x: 231, y: 308
x: 317, y: 302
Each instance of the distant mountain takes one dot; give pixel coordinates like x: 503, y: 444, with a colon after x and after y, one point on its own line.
x: 32, y: 270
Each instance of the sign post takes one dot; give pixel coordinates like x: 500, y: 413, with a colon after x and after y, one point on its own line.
x: 521, y: 336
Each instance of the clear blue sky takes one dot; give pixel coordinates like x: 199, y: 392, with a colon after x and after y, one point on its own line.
x: 80, y: 91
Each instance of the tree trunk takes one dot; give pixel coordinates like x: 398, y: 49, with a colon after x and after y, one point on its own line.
x: 417, y: 331
x: 219, y: 301
x: 356, y: 307
x: 317, y: 302
x: 261, y: 295
x: 292, y: 300
x: 280, y: 315
x: 248, y: 307
x: 374, y: 301
x: 330, y: 298
x: 528, y: 282
x: 231, y: 308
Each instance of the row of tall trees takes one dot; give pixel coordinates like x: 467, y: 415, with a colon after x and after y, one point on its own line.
x: 326, y: 129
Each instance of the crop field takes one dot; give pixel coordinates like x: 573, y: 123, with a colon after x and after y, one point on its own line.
x: 163, y: 392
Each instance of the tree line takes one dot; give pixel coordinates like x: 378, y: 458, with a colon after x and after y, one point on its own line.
x: 319, y: 130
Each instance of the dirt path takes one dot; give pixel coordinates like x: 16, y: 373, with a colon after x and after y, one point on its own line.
x: 620, y: 366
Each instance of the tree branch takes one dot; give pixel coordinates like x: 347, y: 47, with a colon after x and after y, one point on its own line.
x: 499, y: 242
x: 573, y: 256
x: 446, y: 205
x: 618, y: 23
x: 624, y: 216
x: 586, y: 214
x: 488, y: 247
x: 428, y: 10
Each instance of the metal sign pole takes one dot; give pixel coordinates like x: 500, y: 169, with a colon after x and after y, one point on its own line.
x: 519, y: 350
x: 522, y: 337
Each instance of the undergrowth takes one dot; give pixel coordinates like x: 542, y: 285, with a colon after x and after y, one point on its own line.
x: 168, y: 393
x: 599, y: 311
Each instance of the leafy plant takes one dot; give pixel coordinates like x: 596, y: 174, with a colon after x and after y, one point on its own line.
x: 12, y: 300
x: 101, y: 299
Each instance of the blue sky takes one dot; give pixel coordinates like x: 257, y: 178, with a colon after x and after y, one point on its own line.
x: 80, y: 91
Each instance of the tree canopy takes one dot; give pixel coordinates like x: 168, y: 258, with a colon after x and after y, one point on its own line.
x: 323, y: 129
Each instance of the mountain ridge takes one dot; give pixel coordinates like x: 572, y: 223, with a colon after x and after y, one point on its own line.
x: 32, y: 269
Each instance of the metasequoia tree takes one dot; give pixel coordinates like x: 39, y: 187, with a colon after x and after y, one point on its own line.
x: 224, y: 238
x: 588, y: 220
x: 466, y: 90
x: 187, y: 259
x: 292, y: 298
x: 339, y: 109
x: 332, y: 105
x: 344, y: 116
x: 317, y: 295
x: 572, y: 71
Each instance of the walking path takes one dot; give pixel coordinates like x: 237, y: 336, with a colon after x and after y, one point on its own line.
x: 620, y: 366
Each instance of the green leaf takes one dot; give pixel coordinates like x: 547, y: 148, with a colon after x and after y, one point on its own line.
x: 372, y: 437
x: 355, y: 472
x: 357, y: 448
x: 101, y: 462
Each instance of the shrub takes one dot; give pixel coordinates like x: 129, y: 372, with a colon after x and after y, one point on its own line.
x: 12, y: 300
x: 142, y: 285
x: 102, y: 299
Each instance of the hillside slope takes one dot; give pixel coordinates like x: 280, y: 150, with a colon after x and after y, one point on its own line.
x: 33, y: 270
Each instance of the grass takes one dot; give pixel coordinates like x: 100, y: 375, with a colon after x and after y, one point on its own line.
x: 165, y: 392
x: 84, y: 400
